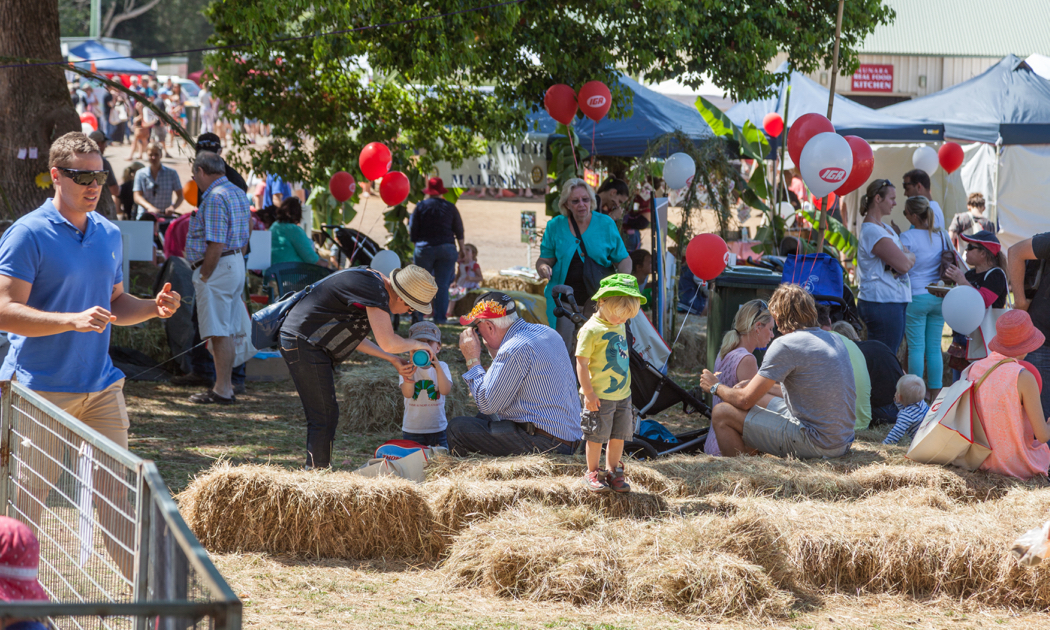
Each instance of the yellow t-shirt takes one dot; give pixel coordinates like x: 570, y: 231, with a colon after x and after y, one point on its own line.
x: 606, y: 347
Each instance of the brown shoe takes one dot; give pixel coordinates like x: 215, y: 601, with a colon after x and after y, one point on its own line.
x: 211, y: 398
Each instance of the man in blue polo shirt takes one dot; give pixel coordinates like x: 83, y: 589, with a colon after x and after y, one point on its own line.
x: 60, y: 289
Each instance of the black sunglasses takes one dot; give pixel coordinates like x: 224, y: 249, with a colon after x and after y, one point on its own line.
x: 85, y: 178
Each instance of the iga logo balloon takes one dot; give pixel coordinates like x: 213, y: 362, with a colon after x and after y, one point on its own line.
x: 833, y: 174
x: 596, y: 101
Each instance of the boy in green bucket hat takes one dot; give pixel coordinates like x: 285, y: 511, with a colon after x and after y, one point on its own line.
x: 603, y: 367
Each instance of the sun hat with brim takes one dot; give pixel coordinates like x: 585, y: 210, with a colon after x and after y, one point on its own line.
x: 985, y: 239
x: 435, y: 186
x: 19, y: 559
x: 491, y: 305
x: 1015, y: 335
x: 619, y: 284
x: 415, y: 286
x: 425, y: 331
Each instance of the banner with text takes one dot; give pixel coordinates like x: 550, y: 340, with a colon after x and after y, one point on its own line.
x: 505, y: 165
x: 873, y: 78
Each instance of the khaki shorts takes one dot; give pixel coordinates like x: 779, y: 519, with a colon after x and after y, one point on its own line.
x: 773, y: 430
x: 103, y: 411
x: 219, y: 303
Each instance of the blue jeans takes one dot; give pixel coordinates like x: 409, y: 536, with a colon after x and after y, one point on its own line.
x: 887, y: 414
x: 925, y: 326
x: 440, y: 261
x: 1041, y: 360
x: 313, y: 373
x: 439, y: 438
x: 479, y: 434
x: 885, y: 321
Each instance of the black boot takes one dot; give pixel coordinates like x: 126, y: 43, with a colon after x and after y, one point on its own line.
x: 318, y: 453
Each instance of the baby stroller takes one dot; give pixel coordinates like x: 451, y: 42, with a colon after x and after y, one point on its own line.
x: 821, y: 275
x: 356, y: 249
x: 652, y: 391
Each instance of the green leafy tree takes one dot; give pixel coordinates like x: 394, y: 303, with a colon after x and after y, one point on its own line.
x: 328, y: 83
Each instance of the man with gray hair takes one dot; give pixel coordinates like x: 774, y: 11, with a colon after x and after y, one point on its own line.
x: 218, y: 233
x: 530, y: 385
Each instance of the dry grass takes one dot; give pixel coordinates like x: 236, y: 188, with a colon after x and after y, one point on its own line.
x: 149, y: 338
x: 457, y: 502
x: 372, y: 401
x: 311, y: 514
x: 510, y: 283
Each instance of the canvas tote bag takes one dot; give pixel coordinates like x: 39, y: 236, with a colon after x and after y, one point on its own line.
x: 952, y: 431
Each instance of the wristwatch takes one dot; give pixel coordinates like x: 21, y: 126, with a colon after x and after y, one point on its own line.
x: 714, y: 387
x: 472, y: 362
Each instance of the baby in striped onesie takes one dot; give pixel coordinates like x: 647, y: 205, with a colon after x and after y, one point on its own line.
x: 911, y: 391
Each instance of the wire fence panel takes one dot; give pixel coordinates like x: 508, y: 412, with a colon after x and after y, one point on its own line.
x: 111, y: 537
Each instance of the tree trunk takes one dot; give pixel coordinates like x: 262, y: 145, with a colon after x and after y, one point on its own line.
x: 35, y: 106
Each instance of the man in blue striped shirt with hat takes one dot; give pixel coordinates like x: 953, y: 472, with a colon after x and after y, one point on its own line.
x: 530, y: 385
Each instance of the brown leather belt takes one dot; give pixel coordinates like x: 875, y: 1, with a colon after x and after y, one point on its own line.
x: 228, y: 252
x: 532, y: 429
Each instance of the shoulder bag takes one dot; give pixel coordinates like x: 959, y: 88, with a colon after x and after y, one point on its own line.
x: 948, y: 258
x: 593, y: 273
x: 266, y: 323
x: 953, y: 431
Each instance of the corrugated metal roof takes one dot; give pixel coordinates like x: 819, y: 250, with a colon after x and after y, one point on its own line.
x: 975, y: 28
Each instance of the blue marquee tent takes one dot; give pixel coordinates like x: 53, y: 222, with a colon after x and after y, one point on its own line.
x: 849, y: 117
x: 106, y: 60
x: 1007, y: 101
x: 654, y: 115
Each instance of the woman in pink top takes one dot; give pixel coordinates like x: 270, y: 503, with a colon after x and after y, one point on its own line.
x: 1008, y: 401
x: 752, y: 328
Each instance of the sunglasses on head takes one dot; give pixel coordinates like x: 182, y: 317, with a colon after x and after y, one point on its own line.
x: 85, y: 178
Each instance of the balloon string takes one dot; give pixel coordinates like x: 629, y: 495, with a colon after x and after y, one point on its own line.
x: 594, y: 131
x: 573, y: 150
x: 816, y: 256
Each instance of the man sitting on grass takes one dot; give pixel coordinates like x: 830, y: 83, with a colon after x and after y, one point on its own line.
x: 817, y: 414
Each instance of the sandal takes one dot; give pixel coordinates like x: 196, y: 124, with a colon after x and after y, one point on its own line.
x: 211, y: 398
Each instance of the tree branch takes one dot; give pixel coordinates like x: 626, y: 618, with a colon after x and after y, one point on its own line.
x: 129, y: 13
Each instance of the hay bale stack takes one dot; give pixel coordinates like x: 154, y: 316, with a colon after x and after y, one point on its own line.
x: 457, y: 502
x: 690, y: 352
x: 875, y: 479
x: 541, y: 466
x: 567, y: 554
x: 372, y: 401
x: 511, y: 283
x: 150, y: 338
x: 312, y: 514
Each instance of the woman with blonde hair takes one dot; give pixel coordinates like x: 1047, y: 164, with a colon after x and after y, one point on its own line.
x: 579, y: 232
x: 924, y: 322
x: 736, y: 363
x: 883, y: 265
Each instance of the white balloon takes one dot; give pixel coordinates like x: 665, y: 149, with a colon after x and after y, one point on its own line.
x: 385, y: 261
x: 826, y: 162
x: 925, y: 159
x: 963, y: 309
x: 785, y: 209
x: 679, y: 169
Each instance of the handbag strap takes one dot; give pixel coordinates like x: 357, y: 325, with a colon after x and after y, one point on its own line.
x: 985, y: 375
x: 583, y: 247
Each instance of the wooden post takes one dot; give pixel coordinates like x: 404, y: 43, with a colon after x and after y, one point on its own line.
x: 822, y: 223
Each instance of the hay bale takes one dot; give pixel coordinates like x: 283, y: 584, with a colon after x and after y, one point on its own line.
x: 312, y: 514
x: 639, y: 474
x: 149, y: 338
x: 689, y: 353
x: 372, y: 401
x: 877, y: 479
x: 457, y: 502
x: 511, y: 283
x: 565, y: 554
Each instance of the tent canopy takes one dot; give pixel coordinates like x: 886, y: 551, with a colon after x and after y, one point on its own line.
x: 1007, y: 101
x: 849, y: 117
x: 93, y: 51
x: 654, y: 115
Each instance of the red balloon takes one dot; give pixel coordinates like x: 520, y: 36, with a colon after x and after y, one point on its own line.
x: 950, y: 155
x: 1031, y: 368
x: 89, y: 118
x: 342, y: 186
x: 707, y: 256
x: 863, y: 163
x: 125, y: 80
x: 818, y: 202
x: 375, y: 160
x: 773, y: 124
x: 394, y: 188
x: 595, y: 100
x: 560, y: 103
x: 805, y: 127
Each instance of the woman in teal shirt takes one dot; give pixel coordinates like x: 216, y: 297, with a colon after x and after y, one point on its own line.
x: 561, y: 259
x: 288, y: 241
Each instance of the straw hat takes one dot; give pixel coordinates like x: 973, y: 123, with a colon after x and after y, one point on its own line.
x: 19, y: 559
x: 415, y: 286
x: 1015, y: 335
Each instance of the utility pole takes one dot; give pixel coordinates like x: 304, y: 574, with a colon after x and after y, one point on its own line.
x: 96, y: 19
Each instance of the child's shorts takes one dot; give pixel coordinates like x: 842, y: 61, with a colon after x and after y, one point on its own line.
x: 614, y: 420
